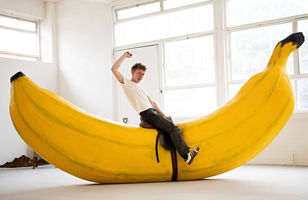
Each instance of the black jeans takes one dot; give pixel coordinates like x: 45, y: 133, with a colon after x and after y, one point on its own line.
x: 158, y: 121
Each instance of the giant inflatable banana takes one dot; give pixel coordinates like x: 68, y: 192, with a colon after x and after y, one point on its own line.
x: 95, y: 149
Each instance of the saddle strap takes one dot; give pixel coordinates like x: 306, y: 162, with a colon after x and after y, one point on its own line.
x: 156, y: 149
x: 174, y: 165
x: 173, y: 160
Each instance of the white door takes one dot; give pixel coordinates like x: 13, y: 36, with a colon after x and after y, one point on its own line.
x: 147, y: 56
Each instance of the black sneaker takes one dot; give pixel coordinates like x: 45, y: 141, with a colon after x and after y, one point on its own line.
x: 191, y: 155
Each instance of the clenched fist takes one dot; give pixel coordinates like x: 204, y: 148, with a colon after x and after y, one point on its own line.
x: 127, y: 54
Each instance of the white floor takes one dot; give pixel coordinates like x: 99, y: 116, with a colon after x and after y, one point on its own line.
x: 248, y: 182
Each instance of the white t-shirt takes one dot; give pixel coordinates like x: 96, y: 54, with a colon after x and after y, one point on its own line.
x: 136, y: 95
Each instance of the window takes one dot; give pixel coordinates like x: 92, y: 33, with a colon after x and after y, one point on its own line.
x: 303, y: 51
x: 185, y: 30
x: 250, y: 46
x: 261, y: 10
x: 138, y: 10
x: 251, y: 49
x: 190, y: 61
x: 190, y: 102
x: 250, y: 53
x: 302, y: 80
x: 302, y: 93
x: 18, y: 38
x: 164, y: 25
x: 190, y: 77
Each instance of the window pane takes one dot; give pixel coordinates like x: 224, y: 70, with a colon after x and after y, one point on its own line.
x: 303, y: 50
x: 165, y: 25
x: 190, y: 102
x: 177, y: 3
x: 138, y: 10
x: 190, y: 61
x: 249, y: 11
x: 18, y: 42
x: 251, y: 49
x: 302, y: 94
x: 17, y: 23
x: 294, y: 92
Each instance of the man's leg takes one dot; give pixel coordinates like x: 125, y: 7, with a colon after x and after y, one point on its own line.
x: 153, y: 117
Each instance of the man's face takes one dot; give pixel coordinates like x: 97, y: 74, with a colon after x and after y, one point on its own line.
x: 137, y: 75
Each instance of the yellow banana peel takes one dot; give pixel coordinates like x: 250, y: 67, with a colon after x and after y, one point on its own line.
x: 99, y: 150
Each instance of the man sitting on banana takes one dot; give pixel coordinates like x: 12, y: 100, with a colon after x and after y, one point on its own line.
x: 148, y: 109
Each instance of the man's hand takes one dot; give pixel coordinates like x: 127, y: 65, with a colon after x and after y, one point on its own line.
x: 127, y: 54
x: 157, y: 108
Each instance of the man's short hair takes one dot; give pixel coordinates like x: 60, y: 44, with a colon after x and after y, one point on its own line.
x: 139, y: 66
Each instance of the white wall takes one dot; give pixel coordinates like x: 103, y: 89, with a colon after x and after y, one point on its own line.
x: 84, y: 30
x: 85, y: 53
x: 290, y: 146
x: 45, y: 75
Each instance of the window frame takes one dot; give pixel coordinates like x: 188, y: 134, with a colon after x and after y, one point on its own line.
x: 36, y: 32
x: 162, y: 9
x: 133, y: 6
x: 161, y: 12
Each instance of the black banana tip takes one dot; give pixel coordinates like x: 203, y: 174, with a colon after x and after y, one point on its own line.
x: 16, y: 76
x: 295, y: 38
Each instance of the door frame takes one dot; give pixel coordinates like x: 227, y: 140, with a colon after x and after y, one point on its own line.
x: 161, y: 73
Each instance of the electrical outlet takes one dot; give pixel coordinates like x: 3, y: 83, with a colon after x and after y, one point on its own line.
x: 125, y: 120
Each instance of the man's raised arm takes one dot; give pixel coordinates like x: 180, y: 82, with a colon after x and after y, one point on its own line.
x: 117, y: 64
